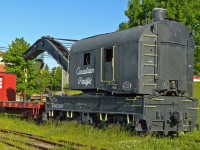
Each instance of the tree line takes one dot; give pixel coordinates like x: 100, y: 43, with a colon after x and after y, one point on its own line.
x: 33, y: 81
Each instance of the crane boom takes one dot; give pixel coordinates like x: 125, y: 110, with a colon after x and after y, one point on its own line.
x: 56, y: 49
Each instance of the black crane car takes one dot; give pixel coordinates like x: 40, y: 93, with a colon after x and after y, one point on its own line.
x: 140, y: 77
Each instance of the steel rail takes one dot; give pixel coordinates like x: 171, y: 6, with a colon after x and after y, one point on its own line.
x: 12, y: 145
x: 72, y: 145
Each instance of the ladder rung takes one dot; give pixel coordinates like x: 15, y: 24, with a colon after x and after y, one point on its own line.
x: 197, y: 108
x: 153, y: 55
x: 149, y: 84
x: 150, y: 64
x: 187, y: 100
x: 149, y: 45
x: 150, y: 35
x: 137, y: 105
x: 158, y: 99
x: 150, y: 74
x: 150, y: 106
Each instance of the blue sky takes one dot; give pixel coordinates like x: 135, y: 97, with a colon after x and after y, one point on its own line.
x: 72, y: 19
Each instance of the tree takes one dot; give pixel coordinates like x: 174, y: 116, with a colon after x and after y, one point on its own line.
x: 14, y: 63
x: 185, y: 11
x: 56, y: 79
x: 43, y: 79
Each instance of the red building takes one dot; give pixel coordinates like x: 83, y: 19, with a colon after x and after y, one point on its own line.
x: 196, y: 78
x: 7, y: 86
x: 7, y: 83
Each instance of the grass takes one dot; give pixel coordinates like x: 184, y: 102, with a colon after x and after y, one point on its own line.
x: 197, y: 95
x: 111, y: 138
x: 15, y: 140
x: 72, y: 92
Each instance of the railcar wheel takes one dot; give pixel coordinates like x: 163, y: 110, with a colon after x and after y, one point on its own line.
x: 158, y: 134
x: 103, y: 124
x: 28, y: 115
x: 172, y: 134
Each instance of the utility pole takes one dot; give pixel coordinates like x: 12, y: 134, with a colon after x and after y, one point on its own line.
x: 25, y: 73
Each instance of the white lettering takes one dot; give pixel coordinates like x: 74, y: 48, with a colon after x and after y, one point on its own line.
x: 84, y: 81
x: 85, y: 71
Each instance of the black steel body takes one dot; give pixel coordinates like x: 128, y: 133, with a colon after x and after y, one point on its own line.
x: 163, y: 113
x: 141, y: 60
x: 142, y: 77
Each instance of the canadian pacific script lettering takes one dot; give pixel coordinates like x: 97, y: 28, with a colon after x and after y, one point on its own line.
x: 88, y: 70
x: 84, y: 81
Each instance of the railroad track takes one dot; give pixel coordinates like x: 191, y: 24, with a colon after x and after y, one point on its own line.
x: 40, y: 142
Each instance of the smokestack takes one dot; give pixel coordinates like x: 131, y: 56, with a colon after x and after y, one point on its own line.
x: 158, y: 14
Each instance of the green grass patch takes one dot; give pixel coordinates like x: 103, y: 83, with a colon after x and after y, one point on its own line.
x: 111, y: 138
x: 196, y: 94
x: 72, y: 92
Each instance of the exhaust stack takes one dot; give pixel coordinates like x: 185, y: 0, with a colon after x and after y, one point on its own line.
x: 158, y: 14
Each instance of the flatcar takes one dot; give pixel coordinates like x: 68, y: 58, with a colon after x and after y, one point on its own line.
x: 140, y: 77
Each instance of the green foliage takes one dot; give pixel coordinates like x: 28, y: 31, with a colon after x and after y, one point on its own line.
x: 14, y: 63
x: 37, y: 81
x: 43, y: 79
x: 70, y: 92
x: 184, y: 11
x: 66, y: 87
x: 56, y: 79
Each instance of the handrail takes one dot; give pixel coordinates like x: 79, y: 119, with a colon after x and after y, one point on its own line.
x: 113, y: 66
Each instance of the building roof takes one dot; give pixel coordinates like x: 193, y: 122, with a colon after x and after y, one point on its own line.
x: 196, y: 78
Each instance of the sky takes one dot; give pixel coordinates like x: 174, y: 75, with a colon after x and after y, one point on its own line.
x: 71, y: 19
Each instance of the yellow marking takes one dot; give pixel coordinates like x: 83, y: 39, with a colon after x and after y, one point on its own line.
x: 187, y: 100
x: 150, y: 35
x: 150, y: 64
x: 113, y: 63
x: 197, y: 108
x: 150, y: 74
x: 158, y: 99
x: 101, y: 71
x: 149, y: 45
x: 113, y: 66
x: 105, y: 118
x: 131, y: 99
x: 153, y: 55
x: 152, y: 84
x: 51, y: 113
x: 149, y: 106
x: 128, y: 118
x: 69, y: 114
x: 137, y: 105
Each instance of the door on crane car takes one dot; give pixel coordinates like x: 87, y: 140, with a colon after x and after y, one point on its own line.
x: 107, y: 65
